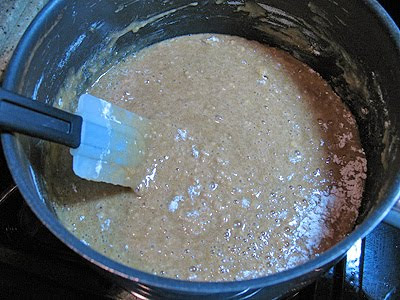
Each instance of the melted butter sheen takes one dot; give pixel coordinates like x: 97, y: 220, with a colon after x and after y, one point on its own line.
x: 255, y: 165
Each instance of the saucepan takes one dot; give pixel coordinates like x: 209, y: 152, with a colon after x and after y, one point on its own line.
x: 354, y: 45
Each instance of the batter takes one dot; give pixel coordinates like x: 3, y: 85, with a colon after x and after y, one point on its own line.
x: 254, y: 166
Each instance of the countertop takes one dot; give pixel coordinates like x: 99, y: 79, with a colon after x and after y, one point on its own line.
x: 15, y: 17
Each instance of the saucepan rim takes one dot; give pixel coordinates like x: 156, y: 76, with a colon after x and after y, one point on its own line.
x: 313, y: 266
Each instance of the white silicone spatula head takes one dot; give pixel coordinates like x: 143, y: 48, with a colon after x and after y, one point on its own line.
x: 112, y: 142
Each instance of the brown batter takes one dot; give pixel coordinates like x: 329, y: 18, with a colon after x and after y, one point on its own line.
x: 256, y: 168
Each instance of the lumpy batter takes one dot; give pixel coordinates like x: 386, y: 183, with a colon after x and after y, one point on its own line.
x: 254, y: 166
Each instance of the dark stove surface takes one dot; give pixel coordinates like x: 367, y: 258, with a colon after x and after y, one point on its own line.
x: 36, y: 265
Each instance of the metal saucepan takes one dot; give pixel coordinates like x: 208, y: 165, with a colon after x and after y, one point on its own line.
x: 352, y: 44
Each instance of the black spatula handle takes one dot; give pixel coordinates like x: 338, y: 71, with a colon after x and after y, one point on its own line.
x: 37, y: 119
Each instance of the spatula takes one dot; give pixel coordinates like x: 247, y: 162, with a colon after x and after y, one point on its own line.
x: 107, y: 142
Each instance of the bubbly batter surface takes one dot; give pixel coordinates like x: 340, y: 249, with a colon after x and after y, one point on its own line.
x: 256, y: 167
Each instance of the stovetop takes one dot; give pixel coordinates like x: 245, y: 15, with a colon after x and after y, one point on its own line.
x: 35, y: 264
